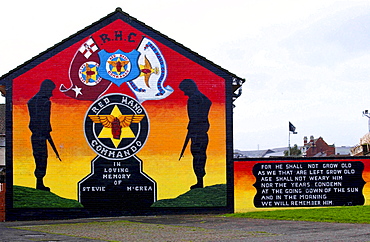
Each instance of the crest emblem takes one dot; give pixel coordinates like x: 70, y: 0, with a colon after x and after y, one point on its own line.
x: 119, y: 67
x: 116, y: 126
x: 88, y: 73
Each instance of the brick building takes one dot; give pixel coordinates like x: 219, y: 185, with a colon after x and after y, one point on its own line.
x: 316, y: 147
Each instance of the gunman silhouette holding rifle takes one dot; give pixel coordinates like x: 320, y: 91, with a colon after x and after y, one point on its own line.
x: 198, y: 109
x: 39, y: 107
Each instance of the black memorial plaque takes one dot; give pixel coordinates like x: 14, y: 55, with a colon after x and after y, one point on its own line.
x: 117, y: 185
x: 308, y: 184
x: 116, y: 128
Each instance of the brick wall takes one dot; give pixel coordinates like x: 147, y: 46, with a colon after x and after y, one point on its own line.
x: 2, y: 119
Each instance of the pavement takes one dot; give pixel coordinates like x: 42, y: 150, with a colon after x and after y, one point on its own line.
x: 180, y: 228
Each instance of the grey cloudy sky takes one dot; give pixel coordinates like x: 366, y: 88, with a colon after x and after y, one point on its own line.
x: 307, y: 62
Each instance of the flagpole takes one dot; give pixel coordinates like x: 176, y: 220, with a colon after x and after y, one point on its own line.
x: 291, y: 129
x: 289, y: 145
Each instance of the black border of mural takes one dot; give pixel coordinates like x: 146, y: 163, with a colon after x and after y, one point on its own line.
x: 6, y: 79
x: 306, y: 159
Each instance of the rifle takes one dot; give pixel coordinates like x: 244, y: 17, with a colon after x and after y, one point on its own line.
x: 51, y: 142
x: 187, y: 138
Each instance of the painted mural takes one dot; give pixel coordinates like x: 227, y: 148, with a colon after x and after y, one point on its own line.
x: 263, y: 184
x: 119, y: 120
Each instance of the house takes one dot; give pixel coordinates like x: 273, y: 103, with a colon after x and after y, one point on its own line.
x: 363, y: 148
x: 316, y: 147
x: 2, y: 137
x: 118, y: 67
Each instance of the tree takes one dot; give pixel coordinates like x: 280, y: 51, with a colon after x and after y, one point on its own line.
x: 294, y: 151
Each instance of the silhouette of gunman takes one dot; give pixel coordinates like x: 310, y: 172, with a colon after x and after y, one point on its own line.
x: 198, y: 109
x: 39, y: 107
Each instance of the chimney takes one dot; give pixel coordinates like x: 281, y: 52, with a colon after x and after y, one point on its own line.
x: 311, y: 139
x: 304, y: 140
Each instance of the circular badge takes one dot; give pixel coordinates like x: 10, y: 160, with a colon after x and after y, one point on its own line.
x: 116, y: 126
x: 118, y: 66
x: 88, y: 73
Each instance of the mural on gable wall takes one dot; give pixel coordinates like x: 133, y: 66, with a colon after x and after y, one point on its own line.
x: 104, y: 122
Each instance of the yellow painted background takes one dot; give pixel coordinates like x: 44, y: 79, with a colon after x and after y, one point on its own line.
x: 160, y: 154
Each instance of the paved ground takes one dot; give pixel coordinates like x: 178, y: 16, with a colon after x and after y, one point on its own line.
x: 181, y: 228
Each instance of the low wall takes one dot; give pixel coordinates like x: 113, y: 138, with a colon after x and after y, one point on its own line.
x: 268, y: 184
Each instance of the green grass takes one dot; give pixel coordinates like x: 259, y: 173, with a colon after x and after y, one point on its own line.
x: 26, y: 197
x: 211, y: 196
x: 355, y: 214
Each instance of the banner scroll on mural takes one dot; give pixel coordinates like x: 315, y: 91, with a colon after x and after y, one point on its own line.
x: 308, y: 184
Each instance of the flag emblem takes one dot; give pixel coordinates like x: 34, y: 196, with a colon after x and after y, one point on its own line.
x: 85, y: 83
x: 149, y: 85
x: 88, y: 48
x: 292, y: 128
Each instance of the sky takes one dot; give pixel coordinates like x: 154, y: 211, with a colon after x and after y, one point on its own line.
x: 307, y: 62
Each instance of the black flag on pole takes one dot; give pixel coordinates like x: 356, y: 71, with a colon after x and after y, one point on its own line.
x: 292, y: 128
